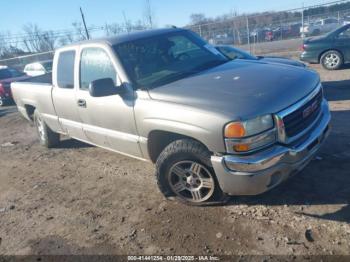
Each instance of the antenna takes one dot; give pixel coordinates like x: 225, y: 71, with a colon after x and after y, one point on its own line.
x: 83, y: 18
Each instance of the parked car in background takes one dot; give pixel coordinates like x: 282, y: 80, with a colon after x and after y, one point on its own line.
x: 38, y: 68
x: 286, y: 31
x: 212, y: 126
x: 331, y: 50
x: 261, y: 34
x: 222, y: 39
x: 7, y: 76
x: 235, y: 53
x: 269, y: 35
x: 346, y: 20
x: 319, y: 27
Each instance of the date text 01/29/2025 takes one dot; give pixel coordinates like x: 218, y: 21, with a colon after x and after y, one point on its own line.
x: 173, y: 258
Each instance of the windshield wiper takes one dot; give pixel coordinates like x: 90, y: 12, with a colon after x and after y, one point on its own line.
x: 173, y: 77
x: 210, y: 64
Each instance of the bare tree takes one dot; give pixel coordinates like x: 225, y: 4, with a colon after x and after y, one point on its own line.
x: 3, y: 45
x: 68, y: 38
x: 79, y: 31
x: 127, y: 23
x: 149, y: 14
x: 113, y: 29
x: 138, y: 25
x: 196, y: 19
x: 36, y: 40
x: 32, y: 38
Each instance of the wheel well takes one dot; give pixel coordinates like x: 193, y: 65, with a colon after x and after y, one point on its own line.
x: 332, y: 49
x: 158, y: 140
x: 30, y: 111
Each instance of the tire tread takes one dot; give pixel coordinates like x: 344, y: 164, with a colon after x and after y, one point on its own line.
x: 184, y: 146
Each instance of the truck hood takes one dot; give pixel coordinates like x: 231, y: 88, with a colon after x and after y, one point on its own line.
x: 241, y: 89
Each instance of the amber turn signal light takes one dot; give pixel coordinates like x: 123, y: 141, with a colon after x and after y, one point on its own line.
x: 241, y: 147
x: 234, y: 130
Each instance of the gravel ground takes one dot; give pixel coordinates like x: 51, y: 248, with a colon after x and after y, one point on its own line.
x: 79, y: 199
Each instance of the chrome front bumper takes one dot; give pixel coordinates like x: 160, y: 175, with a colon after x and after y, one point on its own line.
x: 260, y: 172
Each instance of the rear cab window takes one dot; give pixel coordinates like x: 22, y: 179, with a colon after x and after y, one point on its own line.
x: 65, y: 69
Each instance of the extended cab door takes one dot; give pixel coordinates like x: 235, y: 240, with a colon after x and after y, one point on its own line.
x: 64, y: 94
x: 108, y: 121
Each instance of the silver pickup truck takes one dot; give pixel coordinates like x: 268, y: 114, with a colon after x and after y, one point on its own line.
x: 213, y: 127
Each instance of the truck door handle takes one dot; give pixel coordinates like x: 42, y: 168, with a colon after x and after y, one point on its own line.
x: 81, y: 102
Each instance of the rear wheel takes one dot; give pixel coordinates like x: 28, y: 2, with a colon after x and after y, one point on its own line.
x: 47, y: 137
x: 184, y: 171
x: 2, y: 102
x: 332, y: 60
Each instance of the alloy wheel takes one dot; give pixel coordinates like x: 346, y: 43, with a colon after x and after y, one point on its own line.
x: 191, y: 181
x: 331, y: 60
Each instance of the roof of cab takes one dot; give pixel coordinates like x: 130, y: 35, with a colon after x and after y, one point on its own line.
x: 128, y: 37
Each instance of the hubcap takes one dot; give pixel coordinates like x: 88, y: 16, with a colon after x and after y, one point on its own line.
x: 332, y: 60
x: 191, y: 181
x: 40, y: 127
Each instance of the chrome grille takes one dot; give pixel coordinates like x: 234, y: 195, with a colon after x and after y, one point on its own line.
x: 299, y: 120
x: 296, y: 120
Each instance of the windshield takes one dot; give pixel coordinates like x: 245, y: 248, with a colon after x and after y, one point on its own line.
x: 338, y: 30
x: 161, y: 59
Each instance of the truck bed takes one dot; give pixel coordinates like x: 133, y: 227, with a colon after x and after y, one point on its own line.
x: 42, y: 79
x: 34, y: 93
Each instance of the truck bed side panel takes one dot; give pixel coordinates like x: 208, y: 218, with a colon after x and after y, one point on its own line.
x: 37, y: 95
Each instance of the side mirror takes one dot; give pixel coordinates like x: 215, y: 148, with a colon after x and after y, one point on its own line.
x: 103, y: 87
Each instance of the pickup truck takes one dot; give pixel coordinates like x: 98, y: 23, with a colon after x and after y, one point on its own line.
x: 213, y: 127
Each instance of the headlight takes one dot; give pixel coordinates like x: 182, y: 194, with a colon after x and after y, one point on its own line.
x: 248, y: 128
x: 245, y: 136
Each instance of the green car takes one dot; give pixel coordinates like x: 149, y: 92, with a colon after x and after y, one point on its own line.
x: 332, y: 50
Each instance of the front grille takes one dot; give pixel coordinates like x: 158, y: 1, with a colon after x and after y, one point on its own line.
x: 304, y: 116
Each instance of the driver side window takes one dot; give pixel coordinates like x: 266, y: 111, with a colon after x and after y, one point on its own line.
x: 95, y: 64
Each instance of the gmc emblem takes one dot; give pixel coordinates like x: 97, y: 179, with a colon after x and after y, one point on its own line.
x: 310, y: 109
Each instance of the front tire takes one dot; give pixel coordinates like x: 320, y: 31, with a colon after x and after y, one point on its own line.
x: 184, y: 171
x: 332, y: 60
x: 47, y: 137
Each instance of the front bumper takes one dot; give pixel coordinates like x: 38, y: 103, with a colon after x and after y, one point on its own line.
x: 262, y: 171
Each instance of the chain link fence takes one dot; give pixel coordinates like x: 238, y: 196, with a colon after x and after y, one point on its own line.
x: 21, y: 61
x: 249, y: 32
x: 272, y: 26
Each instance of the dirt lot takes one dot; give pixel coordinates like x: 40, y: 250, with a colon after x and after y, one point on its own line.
x: 79, y: 199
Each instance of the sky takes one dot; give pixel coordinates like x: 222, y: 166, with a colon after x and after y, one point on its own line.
x: 60, y: 14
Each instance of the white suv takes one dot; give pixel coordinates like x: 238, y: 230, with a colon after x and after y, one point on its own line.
x: 38, y: 68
